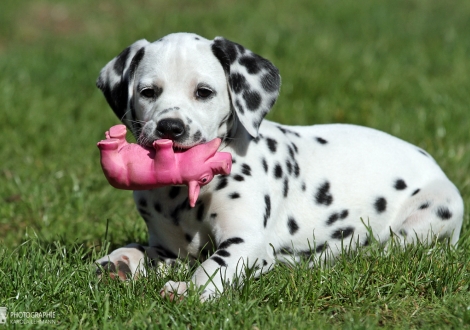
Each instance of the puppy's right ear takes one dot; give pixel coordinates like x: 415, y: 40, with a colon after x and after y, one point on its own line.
x: 116, y: 77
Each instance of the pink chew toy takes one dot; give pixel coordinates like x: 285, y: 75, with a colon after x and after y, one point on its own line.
x: 133, y: 167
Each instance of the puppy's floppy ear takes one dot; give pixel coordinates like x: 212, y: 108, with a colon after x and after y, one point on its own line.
x: 253, y: 81
x: 116, y: 81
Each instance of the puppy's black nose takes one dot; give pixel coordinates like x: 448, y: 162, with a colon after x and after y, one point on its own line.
x: 170, y: 128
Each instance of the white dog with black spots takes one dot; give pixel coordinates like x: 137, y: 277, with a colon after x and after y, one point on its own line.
x: 295, y: 192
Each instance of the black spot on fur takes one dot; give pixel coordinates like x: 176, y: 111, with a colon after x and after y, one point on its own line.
x: 400, y: 184
x: 323, y: 195
x: 213, y: 215
x: 200, y: 212
x: 174, y: 192
x: 265, y: 263
x: 234, y: 240
x: 250, y: 63
x: 136, y: 61
x: 238, y: 82
x: 107, y: 266
x: 337, y: 216
x: 343, y: 233
x: 380, y: 204
x: 277, y: 171
x: 272, y: 144
x: 291, y: 152
x: 238, y: 177
x: 239, y: 107
x: 292, y: 225
x: 142, y: 202
x: 296, y: 170
x: 234, y: 195
x: 424, y: 206
x: 295, y: 147
x: 267, y: 213
x: 121, y: 60
x: 320, y: 140
x: 423, y: 152
x: 415, y: 192
x: 321, y: 247
x: 196, y: 38
x: 252, y: 99
x: 265, y: 165
x: 223, y: 182
x: 304, y: 186
x: 223, y: 253
x: 219, y: 260
x: 366, y: 242
x: 157, y: 207
x: 197, y: 136
x: 188, y: 238
x: 144, y: 212
x: 246, y: 169
x: 289, y: 166
x: 444, y: 213
x: 285, y: 188
x: 403, y: 232
x: 270, y: 83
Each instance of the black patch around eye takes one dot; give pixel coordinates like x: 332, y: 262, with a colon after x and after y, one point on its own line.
x: 174, y: 192
x: 267, y: 214
x: 444, y: 213
x: 277, y: 171
x: 323, y: 195
x: 292, y: 225
x: 272, y: 144
x: 321, y: 141
x: 252, y: 99
x: 265, y: 165
x: 238, y: 177
x: 121, y: 60
x: 400, y: 184
x: 223, y: 182
x: 246, y: 169
x: 380, y: 204
x: 234, y: 195
x: 343, y: 233
x: 238, y: 82
x: 250, y: 63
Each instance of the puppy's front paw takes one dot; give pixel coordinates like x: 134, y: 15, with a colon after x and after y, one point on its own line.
x: 124, y: 263
x: 174, y: 290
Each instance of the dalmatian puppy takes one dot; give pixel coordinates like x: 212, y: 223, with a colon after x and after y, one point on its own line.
x: 295, y: 192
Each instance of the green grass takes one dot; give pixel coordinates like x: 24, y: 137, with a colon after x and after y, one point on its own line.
x: 402, y: 66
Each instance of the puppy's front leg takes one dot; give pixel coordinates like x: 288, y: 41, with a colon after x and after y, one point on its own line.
x: 233, y: 255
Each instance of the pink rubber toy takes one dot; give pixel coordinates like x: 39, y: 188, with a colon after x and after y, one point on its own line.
x: 133, y: 167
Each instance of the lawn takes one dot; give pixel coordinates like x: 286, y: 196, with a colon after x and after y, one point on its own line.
x: 402, y: 66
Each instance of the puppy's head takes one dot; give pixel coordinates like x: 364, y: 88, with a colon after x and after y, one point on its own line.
x: 189, y: 89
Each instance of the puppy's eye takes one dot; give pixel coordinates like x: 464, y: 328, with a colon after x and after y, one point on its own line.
x: 203, y: 92
x: 148, y: 93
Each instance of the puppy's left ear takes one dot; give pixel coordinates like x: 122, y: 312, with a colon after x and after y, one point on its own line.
x: 253, y: 81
